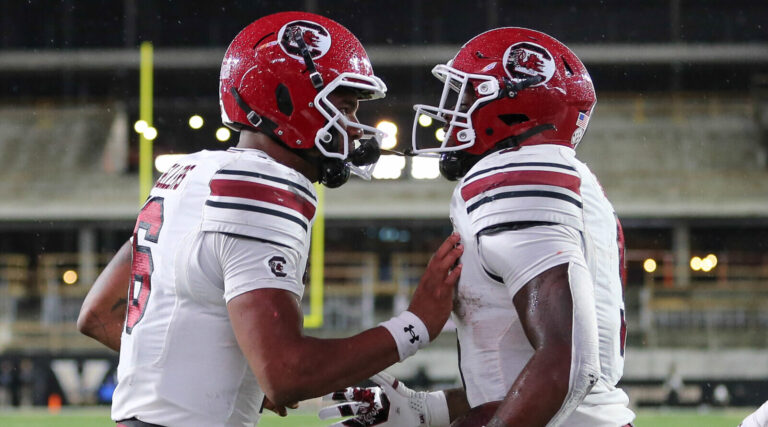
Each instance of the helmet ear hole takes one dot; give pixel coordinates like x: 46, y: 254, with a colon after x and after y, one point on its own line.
x: 513, y: 119
x: 283, y: 97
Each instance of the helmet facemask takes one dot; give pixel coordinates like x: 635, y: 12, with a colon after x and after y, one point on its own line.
x: 332, y: 140
x: 452, y: 112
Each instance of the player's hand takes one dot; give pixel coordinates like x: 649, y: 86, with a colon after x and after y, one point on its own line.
x: 433, y: 299
x: 279, y: 410
x: 392, y: 404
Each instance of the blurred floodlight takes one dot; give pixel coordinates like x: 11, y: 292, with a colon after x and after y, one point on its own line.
x: 196, y: 122
x: 150, y: 133
x: 389, y: 167
x: 69, y: 277
x: 223, y: 134
x: 695, y: 263
x: 712, y: 259
x: 164, y: 162
x: 440, y: 134
x: 140, y: 126
x: 390, y: 129
x: 425, y: 120
x: 649, y: 265
x: 425, y: 167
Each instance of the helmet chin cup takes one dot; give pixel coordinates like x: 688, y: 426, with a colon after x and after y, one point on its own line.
x: 450, y: 165
x: 333, y: 172
x: 456, y: 164
x: 367, y: 153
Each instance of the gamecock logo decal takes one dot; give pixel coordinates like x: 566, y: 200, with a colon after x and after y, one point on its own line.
x: 277, y: 265
x: 316, y: 37
x: 524, y: 60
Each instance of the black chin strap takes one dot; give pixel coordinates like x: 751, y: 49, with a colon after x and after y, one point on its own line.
x: 262, y: 124
x: 314, y: 76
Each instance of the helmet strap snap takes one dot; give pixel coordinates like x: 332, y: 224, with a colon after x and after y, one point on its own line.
x: 512, y: 89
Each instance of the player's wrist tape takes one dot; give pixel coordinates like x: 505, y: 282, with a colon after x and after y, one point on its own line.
x: 437, y: 405
x: 409, y: 333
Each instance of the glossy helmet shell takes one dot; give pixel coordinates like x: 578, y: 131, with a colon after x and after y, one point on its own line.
x: 554, y: 111
x: 265, y: 66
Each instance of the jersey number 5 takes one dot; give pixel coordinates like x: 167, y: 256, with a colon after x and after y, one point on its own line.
x: 151, y: 221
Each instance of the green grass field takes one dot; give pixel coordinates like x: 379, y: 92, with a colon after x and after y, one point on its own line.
x: 100, y: 418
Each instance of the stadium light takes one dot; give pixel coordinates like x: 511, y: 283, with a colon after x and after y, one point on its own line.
x: 712, y: 259
x: 425, y: 167
x: 150, y: 133
x: 425, y: 120
x: 164, y: 162
x: 695, y: 263
x: 440, y: 134
x: 140, y: 126
x: 223, y: 134
x: 708, y: 263
x: 390, y: 129
x: 389, y: 167
x: 196, y: 122
x: 69, y: 277
x: 649, y: 265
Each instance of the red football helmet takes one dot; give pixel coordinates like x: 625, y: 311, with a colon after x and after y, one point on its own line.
x: 276, y: 76
x: 527, y: 88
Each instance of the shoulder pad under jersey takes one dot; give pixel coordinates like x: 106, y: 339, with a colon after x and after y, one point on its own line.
x: 260, y: 198
x: 521, y: 186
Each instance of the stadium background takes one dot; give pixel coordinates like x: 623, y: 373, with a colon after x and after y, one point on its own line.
x: 679, y: 139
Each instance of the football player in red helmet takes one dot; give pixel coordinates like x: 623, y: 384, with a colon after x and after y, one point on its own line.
x: 280, y: 79
x: 539, y: 307
x: 211, y: 329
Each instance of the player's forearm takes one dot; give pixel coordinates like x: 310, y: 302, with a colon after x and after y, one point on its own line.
x: 102, y: 314
x: 314, y: 367
x: 104, y: 327
x: 457, y: 402
x: 539, y: 391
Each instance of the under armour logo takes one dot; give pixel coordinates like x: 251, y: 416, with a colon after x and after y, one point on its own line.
x: 414, y: 337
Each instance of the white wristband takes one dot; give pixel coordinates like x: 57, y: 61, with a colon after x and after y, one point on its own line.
x: 409, y: 333
x: 437, y: 405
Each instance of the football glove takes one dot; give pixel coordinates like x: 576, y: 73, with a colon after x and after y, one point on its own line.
x: 391, y: 404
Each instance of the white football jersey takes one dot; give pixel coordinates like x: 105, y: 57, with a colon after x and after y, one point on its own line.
x: 538, y: 184
x: 216, y: 225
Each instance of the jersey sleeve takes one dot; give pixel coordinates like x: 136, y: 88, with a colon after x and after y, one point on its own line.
x: 261, y: 199
x: 515, y: 257
x: 248, y: 264
x: 498, y: 192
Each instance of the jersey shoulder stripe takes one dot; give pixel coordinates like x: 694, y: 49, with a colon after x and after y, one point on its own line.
x: 513, y: 194
x: 279, y: 180
x: 511, y: 178
x: 501, y: 191
x: 257, y: 209
x: 519, y: 165
x: 264, y: 193
x: 259, y: 198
